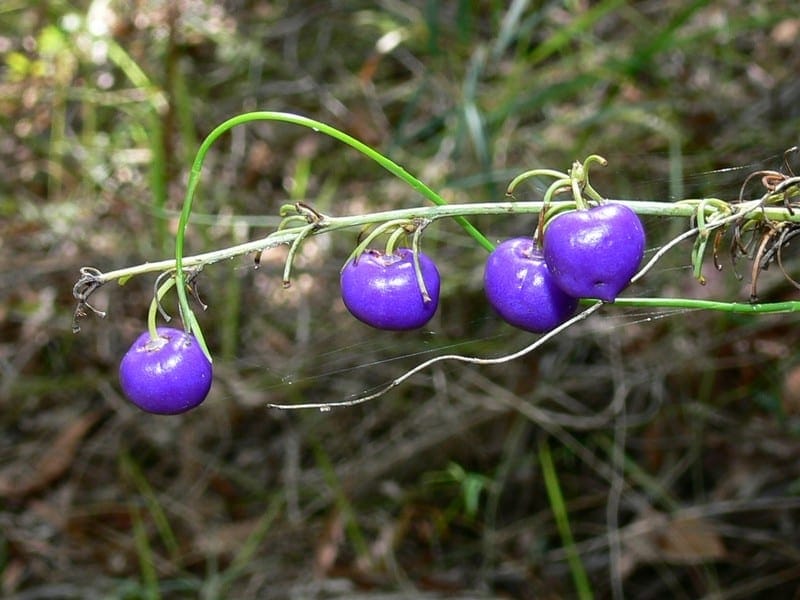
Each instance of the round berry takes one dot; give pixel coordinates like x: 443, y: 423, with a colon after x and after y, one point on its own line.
x: 382, y: 290
x: 519, y: 286
x: 166, y: 376
x: 594, y: 253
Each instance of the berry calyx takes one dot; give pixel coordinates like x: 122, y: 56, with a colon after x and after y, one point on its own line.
x: 519, y: 286
x: 166, y: 375
x: 593, y: 253
x: 384, y: 291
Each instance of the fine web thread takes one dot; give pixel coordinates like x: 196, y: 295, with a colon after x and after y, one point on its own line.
x: 610, y: 321
x: 640, y: 316
x: 476, y: 360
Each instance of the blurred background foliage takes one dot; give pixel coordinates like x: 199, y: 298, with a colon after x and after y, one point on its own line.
x: 646, y: 453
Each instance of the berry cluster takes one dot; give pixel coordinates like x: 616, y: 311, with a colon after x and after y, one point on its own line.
x: 585, y: 253
x: 590, y: 253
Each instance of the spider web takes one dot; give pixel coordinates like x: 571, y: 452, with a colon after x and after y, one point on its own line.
x: 321, y: 368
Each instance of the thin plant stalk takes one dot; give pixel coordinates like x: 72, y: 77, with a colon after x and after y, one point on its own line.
x: 556, y: 498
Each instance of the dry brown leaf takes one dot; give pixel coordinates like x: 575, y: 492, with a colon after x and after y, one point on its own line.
x: 225, y: 540
x: 690, y: 541
x: 682, y: 540
x: 52, y: 464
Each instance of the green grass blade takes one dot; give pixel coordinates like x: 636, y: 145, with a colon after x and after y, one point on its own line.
x: 579, y: 577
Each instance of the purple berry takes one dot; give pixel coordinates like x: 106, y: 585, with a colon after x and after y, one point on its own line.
x: 382, y: 290
x: 594, y: 253
x: 519, y: 286
x: 166, y: 376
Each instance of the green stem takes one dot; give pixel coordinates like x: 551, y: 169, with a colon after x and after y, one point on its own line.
x: 557, y: 504
x: 287, y: 268
x: 730, y: 307
x: 327, y: 224
x: 533, y: 173
x: 152, y: 313
x: 415, y: 243
x: 375, y: 233
x: 577, y: 195
x: 194, y: 179
x: 394, y: 240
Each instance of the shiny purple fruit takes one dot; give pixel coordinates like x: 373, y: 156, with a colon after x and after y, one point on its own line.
x: 519, y: 286
x: 594, y: 253
x: 382, y: 290
x: 166, y: 376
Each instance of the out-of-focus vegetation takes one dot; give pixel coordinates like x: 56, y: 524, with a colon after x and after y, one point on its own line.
x: 666, y: 443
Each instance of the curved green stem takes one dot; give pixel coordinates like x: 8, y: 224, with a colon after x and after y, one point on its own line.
x: 378, y: 231
x: 577, y: 195
x: 717, y: 209
x: 533, y: 173
x: 152, y: 327
x: 555, y: 187
x: 394, y: 239
x: 415, y: 243
x: 194, y: 179
x: 546, y: 214
x: 287, y: 267
x: 592, y: 159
